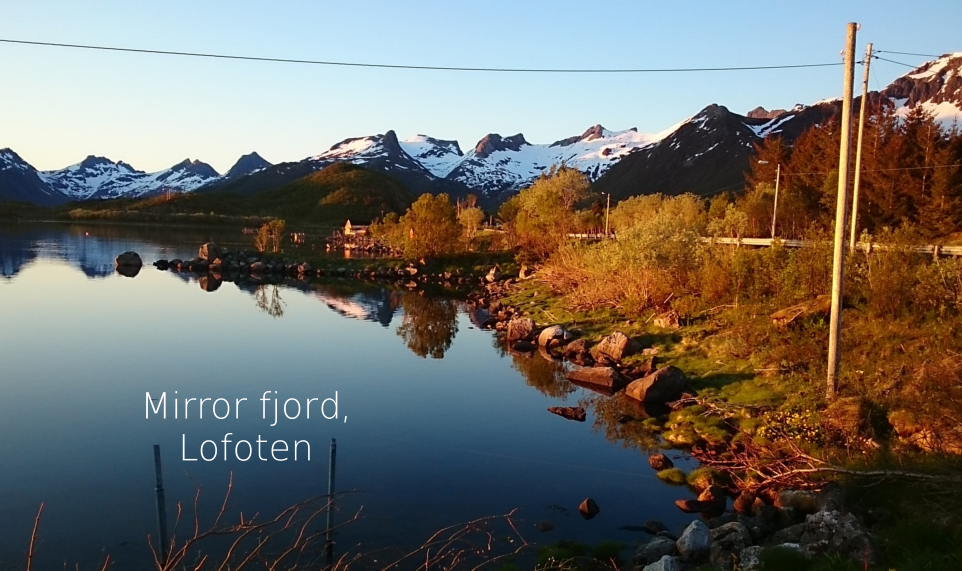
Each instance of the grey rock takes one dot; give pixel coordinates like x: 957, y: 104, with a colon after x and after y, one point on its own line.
x: 695, y: 541
x: 666, y: 563
x: 750, y: 558
x: 728, y: 541
x: 832, y: 533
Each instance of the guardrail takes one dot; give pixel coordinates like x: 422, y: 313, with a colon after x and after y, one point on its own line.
x: 934, y: 249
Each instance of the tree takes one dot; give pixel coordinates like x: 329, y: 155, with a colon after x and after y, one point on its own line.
x: 431, y: 227
x: 471, y: 219
x: 539, y: 219
x: 270, y: 235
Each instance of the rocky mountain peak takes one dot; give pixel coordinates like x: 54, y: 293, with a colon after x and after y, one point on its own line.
x: 493, y: 143
x: 761, y: 113
x: 247, y: 164
x: 195, y: 167
x: 935, y: 82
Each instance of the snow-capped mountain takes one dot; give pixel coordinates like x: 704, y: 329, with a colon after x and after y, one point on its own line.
x: 98, y: 177
x: 21, y: 182
x: 936, y: 86
x: 498, y: 165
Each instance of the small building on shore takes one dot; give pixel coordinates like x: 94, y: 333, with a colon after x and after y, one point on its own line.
x: 354, y: 229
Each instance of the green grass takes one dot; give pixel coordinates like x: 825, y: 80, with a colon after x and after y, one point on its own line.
x: 673, y: 476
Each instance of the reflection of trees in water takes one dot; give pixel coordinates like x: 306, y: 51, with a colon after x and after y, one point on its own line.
x: 621, y: 419
x: 549, y: 377
x: 273, y: 305
x: 428, y: 325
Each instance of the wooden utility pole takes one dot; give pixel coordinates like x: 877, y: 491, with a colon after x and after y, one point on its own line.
x: 778, y: 176
x: 858, y: 150
x: 841, y: 208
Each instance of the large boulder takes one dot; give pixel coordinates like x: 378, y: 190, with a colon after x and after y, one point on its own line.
x: 616, y: 347
x: 129, y: 260
x: 831, y: 533
x: 727, y: 543
x: 554, y: 333
x: 666, y: 563
x: 658, y: 547
x: 520, y: 329
x: 695, y: 541
x: 606, y: 377
x: 210, y: 251
x: 664, y: 385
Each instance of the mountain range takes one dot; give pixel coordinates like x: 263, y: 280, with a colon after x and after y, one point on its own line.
x: 705, y: 154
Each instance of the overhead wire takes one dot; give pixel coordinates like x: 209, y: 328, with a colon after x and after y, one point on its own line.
x: 413, y: 67
x: 905, y: 53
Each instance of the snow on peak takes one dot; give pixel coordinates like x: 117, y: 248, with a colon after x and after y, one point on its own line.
x: 99, y: 177
x: 438, y: 156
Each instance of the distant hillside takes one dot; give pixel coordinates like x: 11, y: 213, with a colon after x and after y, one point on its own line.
x: 336, y: 192
x: 326, y: 197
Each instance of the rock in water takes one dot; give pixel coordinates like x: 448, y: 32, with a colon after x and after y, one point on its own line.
x: 588, y: 508
x: 664, y: 385
x: 601, y: 376
x: 616, y: 347
x: 569, y: 412
x: 520, y: 329
x: 544, y: 525
x: 695, y: 541
x: 129, y: 259
x: 660, y: 462
x: 555, y: 332
x: 210, y: 251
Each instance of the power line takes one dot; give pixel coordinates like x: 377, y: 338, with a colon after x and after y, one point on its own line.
x: 905, y: 53
x: 896, y: 62
x: 414, y: 67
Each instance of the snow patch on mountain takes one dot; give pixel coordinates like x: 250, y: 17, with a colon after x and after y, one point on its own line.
x: 439, y: 157
x: 99, y: 177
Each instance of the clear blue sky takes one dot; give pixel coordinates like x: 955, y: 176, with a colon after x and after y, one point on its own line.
x: 57, y: 105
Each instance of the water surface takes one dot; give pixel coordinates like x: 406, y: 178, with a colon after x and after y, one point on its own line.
x: 441, y: 426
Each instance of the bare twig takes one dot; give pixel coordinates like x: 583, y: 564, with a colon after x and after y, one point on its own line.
x: 33, y: 537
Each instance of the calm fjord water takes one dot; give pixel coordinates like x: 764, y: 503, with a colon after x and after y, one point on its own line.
x: 428, y: 441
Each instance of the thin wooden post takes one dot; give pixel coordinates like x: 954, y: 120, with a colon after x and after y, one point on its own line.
x: 778, y: 176
x: 161, y: 507
x: 841, y: 209
x: 858, y: 150
x: 329, y: 532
